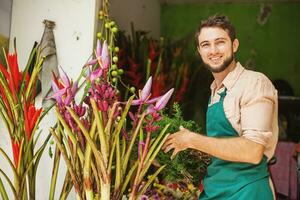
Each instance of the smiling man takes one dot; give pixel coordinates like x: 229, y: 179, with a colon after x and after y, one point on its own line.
x: 241, y: 120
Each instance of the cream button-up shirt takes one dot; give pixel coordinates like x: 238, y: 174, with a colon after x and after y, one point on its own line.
x: 251, y: 106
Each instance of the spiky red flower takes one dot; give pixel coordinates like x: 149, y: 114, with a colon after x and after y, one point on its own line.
x: 31, y: 115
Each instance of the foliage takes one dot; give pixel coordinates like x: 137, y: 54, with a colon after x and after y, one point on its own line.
x: 188, y: 166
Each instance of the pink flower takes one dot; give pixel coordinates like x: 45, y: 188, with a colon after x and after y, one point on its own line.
x: 102, y: 58
x: 161, y: 102
x: 145, y: 94
x: 63, y: 90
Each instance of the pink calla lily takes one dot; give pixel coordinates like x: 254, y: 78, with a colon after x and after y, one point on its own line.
x: 145, y: 94
x: 63, y: 90
x: 161, y: 102
x: 102, y: 56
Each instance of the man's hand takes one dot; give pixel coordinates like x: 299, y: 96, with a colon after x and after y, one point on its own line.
x: 178, y: 141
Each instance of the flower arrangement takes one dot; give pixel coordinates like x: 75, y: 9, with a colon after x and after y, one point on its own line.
x: 96, y: 132
x: 22, y: 118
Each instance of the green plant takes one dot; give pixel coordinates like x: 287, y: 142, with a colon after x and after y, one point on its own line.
x: 188, y: 166
x: 22, y: 118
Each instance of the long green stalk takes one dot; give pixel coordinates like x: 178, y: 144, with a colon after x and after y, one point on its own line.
x: 9, y: 183
x: 132, y: 141
x: 67, y: 160
x: 97, y: 154
x: 152, y: 178
x: 55, y: 168
x: 154, y: 154
x: 54, y: 173
x: 102, y: 137
x: 117, y: 131
x: 69, y: 133
x: 87, y: 179
x: 3, y: 191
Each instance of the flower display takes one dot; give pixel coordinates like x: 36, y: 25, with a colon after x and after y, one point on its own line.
x: 21, y: 117
x: 98, y: 128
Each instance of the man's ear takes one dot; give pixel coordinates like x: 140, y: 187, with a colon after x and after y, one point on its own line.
x: 235, y: 45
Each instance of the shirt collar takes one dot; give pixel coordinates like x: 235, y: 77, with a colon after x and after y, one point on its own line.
x: 231, y: 77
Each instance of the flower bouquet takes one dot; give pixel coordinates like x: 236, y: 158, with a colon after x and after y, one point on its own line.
x: 97, y: 130
x: 21, y: 118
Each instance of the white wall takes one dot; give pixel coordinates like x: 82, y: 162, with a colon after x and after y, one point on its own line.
x: 5, y: 14
x: 145, y: 15
x: 74, y: 36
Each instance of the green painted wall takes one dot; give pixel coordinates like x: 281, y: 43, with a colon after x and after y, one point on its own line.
x: 272, y: 48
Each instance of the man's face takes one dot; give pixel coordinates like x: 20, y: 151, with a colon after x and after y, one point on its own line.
x: 216, y: 48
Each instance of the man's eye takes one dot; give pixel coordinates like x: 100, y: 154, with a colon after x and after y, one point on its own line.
x: 221, y: 42
x: 205, y: 45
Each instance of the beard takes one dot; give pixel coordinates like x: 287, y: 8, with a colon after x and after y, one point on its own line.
x: 221, y: 67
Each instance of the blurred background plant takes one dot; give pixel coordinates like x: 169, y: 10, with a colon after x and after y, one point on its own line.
x: 140, y: 56
x: 18, y: 90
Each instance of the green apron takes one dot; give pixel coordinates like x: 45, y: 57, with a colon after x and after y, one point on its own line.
x: 232, y: 180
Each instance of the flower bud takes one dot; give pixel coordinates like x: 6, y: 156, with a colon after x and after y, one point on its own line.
x: 107, y: 25
x: 132, y: 89
x: 117, y: 49
x: 112, y: 23
x: 114, y: 29
x: 115, y: 59
x: 120, y: 71
x: 114, y: 80
x: 99, y: 35
x: 114, y: 73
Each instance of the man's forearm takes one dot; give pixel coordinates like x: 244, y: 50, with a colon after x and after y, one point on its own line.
x: 236, y: 149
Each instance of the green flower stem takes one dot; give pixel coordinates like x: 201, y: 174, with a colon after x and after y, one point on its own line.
x: 103, y: 141
x: 132, y: 141
x: 10, y: 164
x: 56, y: 161
x: 97, y: 154
x: 6, y: 118
x: 3, y: 191
x: 152, y: 178
x: 70, y: 134
x: 128, y: 177
x: 9, y: 183
x: 140, y: 166
x: 148, y: 68
x: 67, y: 160
x: 153, y: 155
x: 156, y: 141
x: 107, y: 129
x: 55, y: 168
x: 7, y: 92
x: 37, y: 68
x: 87, y: 179
x: 116, y: 141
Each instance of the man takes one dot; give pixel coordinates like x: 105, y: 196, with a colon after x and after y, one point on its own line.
x: 241, y: 120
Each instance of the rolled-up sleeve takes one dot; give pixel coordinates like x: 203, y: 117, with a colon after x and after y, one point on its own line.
x: 258, y: 109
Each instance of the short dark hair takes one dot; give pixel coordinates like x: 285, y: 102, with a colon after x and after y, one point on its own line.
x: 220, y: 21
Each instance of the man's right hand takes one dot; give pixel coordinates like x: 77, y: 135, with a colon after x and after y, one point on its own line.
x: 178, y: 141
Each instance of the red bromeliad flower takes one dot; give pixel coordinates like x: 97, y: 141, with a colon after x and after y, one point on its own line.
x: 16, y: 151
x: 31, y: 115
x: 13, y: 76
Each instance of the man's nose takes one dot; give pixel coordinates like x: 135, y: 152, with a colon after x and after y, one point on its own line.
x: 214, y: 49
